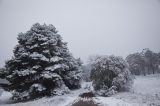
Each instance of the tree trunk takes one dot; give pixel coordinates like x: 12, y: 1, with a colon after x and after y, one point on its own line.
x: 153, y: 71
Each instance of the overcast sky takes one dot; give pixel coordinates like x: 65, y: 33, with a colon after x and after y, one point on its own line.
x: 118, y: 27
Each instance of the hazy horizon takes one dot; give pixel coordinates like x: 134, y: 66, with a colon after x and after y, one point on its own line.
x: 89, y: 26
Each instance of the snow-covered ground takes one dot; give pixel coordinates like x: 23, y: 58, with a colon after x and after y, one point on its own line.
x: 146, y: 92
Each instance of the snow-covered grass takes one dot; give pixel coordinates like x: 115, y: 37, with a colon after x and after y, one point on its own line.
x: 145, y: 92
x: 147, y: 85
x: 4, y: 96
x: 46, y: 101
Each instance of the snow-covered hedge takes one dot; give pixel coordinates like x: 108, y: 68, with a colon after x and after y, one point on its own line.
x: 110, y: 74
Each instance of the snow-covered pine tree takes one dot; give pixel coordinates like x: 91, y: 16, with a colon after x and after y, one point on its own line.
x: 42, y: 65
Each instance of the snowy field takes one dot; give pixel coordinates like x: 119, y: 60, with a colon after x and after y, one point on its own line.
x: 145, y: 92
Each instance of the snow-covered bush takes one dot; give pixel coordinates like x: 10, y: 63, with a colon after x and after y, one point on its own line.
x: 110, y: 74
x: 42, y: 65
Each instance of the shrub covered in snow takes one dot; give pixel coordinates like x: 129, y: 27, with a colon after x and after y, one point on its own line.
x: 41, y: 65
x: 110, y: 74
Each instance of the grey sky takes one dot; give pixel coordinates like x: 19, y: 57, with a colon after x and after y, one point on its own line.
x: 117, y: 27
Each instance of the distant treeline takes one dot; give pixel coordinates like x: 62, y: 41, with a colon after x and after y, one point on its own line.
x: 144, y: 62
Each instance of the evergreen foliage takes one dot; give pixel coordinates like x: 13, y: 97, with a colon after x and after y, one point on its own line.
x: 42, y: 65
